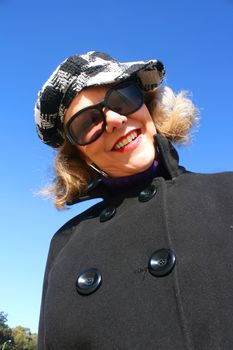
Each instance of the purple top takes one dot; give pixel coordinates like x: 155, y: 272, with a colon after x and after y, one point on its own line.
x: 131, y: 180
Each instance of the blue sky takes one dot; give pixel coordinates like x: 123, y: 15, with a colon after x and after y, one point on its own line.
x: 192, y: 38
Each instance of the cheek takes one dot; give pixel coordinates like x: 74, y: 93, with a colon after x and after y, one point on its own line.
x: 90, y: 152
x: 152, y: 129
x: 83, y: 153
x: 146, y: 120
x: 143, y: 115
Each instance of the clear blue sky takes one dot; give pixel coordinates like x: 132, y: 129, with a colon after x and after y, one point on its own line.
x: 192, y: 38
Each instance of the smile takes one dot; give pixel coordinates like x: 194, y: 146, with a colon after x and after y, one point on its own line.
x: 125, y: 140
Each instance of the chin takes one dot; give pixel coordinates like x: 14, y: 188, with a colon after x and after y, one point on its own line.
x: 144, y: 160
x: 141, y: 166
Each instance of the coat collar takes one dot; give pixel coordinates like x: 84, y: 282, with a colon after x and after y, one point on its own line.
x: 168, y: 158
x: 168, y: 169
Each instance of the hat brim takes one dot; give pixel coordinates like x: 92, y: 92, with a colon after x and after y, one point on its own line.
x: 149, y: 74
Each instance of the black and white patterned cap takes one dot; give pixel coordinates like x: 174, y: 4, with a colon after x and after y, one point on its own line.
x: 80, y: 71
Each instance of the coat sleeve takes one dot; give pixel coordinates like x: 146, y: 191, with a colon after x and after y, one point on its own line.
x: 57, y: 243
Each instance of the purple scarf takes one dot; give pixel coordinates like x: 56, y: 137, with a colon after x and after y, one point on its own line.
x: 131, y: 180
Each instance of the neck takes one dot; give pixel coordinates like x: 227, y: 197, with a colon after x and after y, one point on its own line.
x: 131, y: 180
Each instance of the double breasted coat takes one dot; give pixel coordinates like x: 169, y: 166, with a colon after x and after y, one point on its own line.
x: 150, y: 267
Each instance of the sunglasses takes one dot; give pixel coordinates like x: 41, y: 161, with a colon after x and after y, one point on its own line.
x: 88, y: 124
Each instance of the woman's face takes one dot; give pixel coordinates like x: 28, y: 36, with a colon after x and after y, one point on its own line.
x: 126, y: 147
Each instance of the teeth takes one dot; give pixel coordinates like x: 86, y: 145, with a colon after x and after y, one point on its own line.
x: 126, y: 140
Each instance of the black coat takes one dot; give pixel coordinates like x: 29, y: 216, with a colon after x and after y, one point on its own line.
x: 181, y: 298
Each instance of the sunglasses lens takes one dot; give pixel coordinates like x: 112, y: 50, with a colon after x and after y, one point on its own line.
x: 125, y: 99
x: 87, y: 126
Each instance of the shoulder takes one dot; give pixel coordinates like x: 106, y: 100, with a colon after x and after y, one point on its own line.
x: 217, y: 178
x: 218, y: 186
x: 65, y: 233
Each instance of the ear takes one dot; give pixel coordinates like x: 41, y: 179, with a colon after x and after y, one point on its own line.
x: 84, y: 156
x: 93, y: 166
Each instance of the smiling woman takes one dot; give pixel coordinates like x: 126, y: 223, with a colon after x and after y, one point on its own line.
x: 117, y: 145
x: 113, y: 126
x: 100, y: 120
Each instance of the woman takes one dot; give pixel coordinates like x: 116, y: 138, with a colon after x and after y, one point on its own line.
x: 151, y: 265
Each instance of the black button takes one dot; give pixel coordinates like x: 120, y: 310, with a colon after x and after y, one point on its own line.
x: 147, y: 193
x: 162, y: 262
x: 107, y: 213
x: 88, y: 281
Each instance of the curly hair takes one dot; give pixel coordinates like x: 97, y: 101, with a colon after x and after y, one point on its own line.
x: 174, y: 115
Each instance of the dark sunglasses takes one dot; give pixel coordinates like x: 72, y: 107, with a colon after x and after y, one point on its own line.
x: 88, y: 124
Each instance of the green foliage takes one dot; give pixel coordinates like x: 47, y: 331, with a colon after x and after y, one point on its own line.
x: 5, y: 331
x: 18, y: 338
x: 24, y: 339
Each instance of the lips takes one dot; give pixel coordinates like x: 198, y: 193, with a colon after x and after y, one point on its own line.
x: 126, y: 139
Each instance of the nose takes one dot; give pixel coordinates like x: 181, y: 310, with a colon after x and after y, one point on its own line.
x: 114, y: 120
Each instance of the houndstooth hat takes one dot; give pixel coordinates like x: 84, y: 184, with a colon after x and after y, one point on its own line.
x: 80, y: 71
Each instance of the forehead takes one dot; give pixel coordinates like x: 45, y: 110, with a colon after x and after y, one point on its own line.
x: 87, y: 97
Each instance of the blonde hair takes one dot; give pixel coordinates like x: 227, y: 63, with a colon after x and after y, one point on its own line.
x: 173, y: 115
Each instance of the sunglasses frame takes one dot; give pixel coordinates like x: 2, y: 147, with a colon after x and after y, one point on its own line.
x: 99, y: 106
